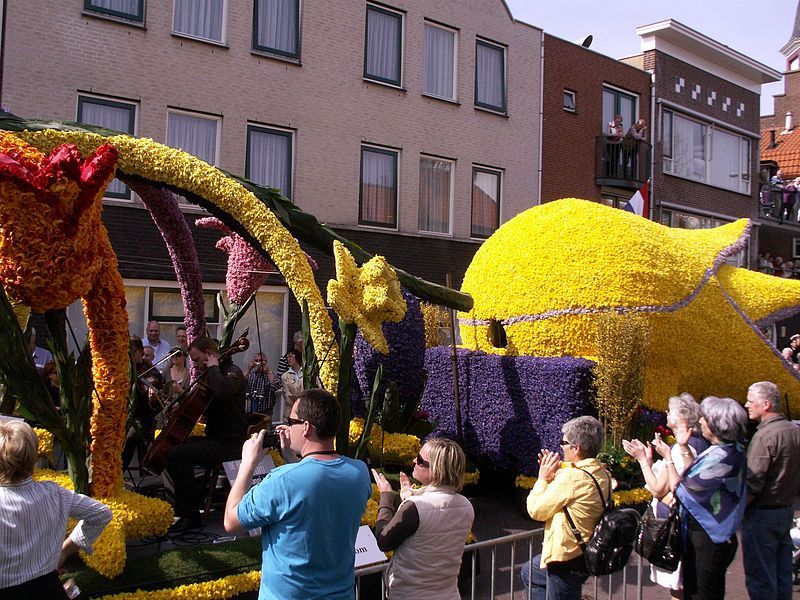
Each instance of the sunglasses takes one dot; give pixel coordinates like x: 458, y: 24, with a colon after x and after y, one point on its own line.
x: 290, y: 421
x: 422, y: 462
x: 564, y: 443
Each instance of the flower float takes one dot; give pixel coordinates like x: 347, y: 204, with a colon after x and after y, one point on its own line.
x: 242, y: 210
x: 367, y: 296
x: 547, y: 274
x: 54, y: 250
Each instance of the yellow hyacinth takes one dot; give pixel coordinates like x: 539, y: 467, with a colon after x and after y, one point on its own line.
x: 551, y: 272
x: 367, y: 296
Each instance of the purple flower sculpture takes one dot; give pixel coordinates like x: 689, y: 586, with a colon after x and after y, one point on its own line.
x: 404, y: 364
x: 511, y: 406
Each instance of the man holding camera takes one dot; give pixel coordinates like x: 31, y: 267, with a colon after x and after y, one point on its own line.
x: 309, y: 511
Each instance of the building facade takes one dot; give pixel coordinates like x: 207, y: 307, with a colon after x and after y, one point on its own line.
x: 409, y: 126
x: 583, y: 91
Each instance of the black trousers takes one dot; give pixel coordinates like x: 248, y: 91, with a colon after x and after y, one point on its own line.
x: 181, y: 461
x: 46, y: 587
x: 705, y: 563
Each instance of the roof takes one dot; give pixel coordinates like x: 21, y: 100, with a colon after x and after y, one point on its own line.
x: 794, y: 40
x: 786, y: 153
x: 679, y: 36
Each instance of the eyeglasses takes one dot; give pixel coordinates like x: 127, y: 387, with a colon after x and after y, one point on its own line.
x: 422, y: 462
x: 290, y: 421
x: 564, y: 443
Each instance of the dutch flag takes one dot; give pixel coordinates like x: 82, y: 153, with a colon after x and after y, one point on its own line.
x: 639, y: 203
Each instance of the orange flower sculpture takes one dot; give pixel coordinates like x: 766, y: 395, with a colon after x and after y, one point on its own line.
x: 54, y: 250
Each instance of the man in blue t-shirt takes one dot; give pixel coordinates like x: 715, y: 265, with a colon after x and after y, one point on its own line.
x: 309, y: 511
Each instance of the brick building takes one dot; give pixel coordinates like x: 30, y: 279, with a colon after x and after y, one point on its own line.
x: 583, y: 91
x: 705, y: 140
x: 409, y: 126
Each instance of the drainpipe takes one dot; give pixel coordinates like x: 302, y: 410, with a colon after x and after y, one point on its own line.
x: 541, y: 117
x: 653, y: 121
x: 772, y: 142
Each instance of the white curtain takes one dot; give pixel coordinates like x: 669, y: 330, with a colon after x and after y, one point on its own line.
x: 129, y: 7
x: 277, y: 24
x: 484, y: 203
x: 438, y: 69
x: 434, y: 195
x: 199, y: 18
x: 117, y: 118
x: 378, y: 187
x: 270, y: 155
x: 383, y: 40
x: 688, y: 148
x: 725, y: 160
x: 195, y: 135
x: 490, y: 76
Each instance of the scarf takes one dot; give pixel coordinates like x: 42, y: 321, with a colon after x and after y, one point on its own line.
x: 713, y: 490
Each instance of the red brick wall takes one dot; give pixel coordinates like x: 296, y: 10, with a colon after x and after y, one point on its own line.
x: 789, y: 101
x: 568, y: 143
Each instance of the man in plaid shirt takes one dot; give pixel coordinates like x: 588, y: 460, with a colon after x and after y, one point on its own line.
x: 261, y: 385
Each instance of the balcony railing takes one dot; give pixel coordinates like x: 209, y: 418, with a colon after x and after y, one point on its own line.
x: 780, y: 204
x: 621, y: 162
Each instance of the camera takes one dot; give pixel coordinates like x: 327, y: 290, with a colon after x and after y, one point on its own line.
x: 271, y: 440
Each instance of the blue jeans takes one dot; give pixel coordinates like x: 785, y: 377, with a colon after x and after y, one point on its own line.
x: 559, y: 581
x: 767, y: 553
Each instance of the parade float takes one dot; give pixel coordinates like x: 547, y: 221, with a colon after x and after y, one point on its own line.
x: 570, y: 308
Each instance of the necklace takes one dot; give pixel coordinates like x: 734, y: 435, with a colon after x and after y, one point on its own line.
x: 319, y: 452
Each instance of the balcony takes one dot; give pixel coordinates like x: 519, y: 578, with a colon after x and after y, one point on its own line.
x: 621, y: 163
x: 778, y: 204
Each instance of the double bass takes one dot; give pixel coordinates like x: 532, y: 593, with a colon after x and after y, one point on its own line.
x: 185, y: 416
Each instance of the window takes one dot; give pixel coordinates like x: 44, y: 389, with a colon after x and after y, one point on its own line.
x: 378, y: 202
x: 685, y: 220
x: 490, y: 76
x: 199, y: 18
x: 383, y: 46
x: 193, y: 134
x: 438, y: 77
x: 485, y: 202
x: 435, y: 189
x: 617, y: 102
x: 276, y: 27
x: 269, y: 158
x: 569, y: 101
x: 133, y: 10
x: 706, y: 153
x: 119, y: 116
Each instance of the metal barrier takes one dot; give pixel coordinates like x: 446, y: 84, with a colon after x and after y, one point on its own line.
x: 492, y: 545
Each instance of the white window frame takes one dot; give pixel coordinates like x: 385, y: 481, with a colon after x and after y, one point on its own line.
x: 380, y: 149
x: 454, y: 31
x: 112, y: 200
x: 745, y: 178
x: 188, y: 206
x: 451, y: 199
x: 500, y: 192
x: 223, y: 32
x: 574, y: 97
x: 401, y: 71
x: 261, y: 128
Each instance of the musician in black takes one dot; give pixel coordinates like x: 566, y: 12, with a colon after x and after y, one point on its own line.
x: 145, y: 405
x: 226, y: 430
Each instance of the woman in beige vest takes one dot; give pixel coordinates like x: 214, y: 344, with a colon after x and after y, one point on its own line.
x: 430, y: 527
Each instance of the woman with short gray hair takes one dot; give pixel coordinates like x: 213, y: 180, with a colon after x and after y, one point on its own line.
x: 713, y: 495
x: 560, y: 570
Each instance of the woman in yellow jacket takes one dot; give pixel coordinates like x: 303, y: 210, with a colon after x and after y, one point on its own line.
x: 559, y: 571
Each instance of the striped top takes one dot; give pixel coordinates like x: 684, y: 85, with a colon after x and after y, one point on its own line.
x: 33, y: 521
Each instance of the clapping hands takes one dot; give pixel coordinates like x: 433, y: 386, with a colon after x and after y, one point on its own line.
x: 643, y: 453
x: 549, y: 464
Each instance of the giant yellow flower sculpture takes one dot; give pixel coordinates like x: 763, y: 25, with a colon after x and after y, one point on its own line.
x: 367, y: 296
x: 547, y: 275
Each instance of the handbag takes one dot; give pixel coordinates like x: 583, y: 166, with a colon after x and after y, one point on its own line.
x: 659, y: 539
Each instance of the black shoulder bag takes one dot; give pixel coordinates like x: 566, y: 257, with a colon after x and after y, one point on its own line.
x: 611, y: 543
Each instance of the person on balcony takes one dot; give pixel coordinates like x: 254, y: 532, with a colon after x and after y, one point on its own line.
x: 613, y: 148
x: 630, y: 147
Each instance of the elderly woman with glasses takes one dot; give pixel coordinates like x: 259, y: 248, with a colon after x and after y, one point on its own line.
x: 559, y: 571
x: 712, y: 493
x: 683, y: 417
x: 430, y: 527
